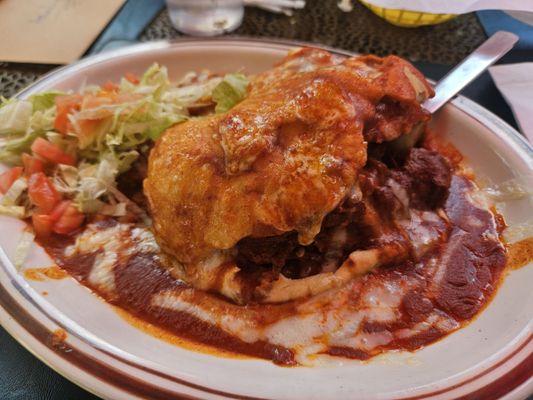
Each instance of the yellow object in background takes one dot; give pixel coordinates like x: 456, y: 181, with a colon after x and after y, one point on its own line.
x: 408, y: 19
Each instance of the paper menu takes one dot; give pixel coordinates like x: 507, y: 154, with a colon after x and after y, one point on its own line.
x: 51, y: 31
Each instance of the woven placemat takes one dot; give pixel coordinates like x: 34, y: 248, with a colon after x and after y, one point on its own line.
x: 320, y: 22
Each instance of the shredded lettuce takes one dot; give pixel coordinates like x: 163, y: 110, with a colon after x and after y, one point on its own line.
x: 12, y: 148
x: 65, y: 179
x: 230, y: 91
x: 125, y: 160
x: 154, y: 81
x: 11, y: 197
x: 15, y: 117
x: 43, y: 120
x: 193, y: 92
x: 114, y: 210
x: 43, y: 101
x: 152, y: 107
x: 23, y: 248
x: 13, y: 144
x: 13, y: 211
x: 94, y: 181
x: 107, y: 130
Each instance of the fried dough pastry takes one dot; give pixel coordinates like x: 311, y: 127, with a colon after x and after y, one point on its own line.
x: 278, y: 162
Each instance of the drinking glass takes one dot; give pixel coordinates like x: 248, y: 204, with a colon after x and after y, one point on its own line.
x: 205, y: 17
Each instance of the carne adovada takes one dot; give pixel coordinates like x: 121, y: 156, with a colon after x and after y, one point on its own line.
x: 279, y: 163
x: 305, y: 212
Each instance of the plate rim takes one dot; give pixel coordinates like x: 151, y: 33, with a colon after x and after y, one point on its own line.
x: 460, y: 101
x: 474, y: 110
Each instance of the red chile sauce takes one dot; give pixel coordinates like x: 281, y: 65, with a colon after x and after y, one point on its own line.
x: 471, y: 279
x: 474, y: 269
x: 140, y: 277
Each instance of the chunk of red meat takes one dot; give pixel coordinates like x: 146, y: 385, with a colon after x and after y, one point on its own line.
x: 427, y: 176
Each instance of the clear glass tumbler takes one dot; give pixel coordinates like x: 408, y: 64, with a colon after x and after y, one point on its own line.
x: 205, y: 17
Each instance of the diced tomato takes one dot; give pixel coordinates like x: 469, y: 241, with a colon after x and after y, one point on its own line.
x: 42, y: 193
x: 131, y: 77
x: 64, y: 106
x: 42, y: 225
x: 8, y: 177
x: 69, y: 221
x: 64, y: 218
x: 58, y: 210
x: 49, y: 151
x: 110, y: 86
x: 31, y: 164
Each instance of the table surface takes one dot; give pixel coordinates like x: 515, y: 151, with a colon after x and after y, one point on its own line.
x: 433, y: 49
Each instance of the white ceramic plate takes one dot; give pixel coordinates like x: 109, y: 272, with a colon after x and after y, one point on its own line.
x: 490, y: 358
